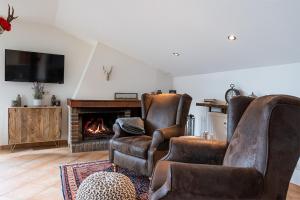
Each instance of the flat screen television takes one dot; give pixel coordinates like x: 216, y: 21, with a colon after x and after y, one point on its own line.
x: 25, y: 66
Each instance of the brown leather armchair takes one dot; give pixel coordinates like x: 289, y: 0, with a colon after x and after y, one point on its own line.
x: 257, y: 163
x: 164, y: 117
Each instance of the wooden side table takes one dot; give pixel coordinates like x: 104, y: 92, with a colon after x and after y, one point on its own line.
x: 223, y: 107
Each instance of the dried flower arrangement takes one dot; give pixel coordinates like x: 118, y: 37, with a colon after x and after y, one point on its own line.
x: 38, y: 90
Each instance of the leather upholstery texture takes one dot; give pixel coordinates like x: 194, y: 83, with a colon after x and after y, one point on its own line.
x: 164, y: 117
x: 135, y: 146
x: 236, y: 109
x: 259, y: 161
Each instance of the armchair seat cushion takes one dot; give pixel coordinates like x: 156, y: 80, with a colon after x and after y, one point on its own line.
x: 136, y: 146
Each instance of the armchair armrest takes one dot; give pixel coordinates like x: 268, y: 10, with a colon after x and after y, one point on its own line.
x: 193, y: 181
x: 195, y: 150
x: 119, y: 132
x: 165, y: 134
x: 160, y: 144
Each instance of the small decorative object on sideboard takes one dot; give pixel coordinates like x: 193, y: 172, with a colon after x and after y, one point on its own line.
x: 158, y: 92
x: 17, y: 102
x: 232, y: 92
x: 38, y: 93
x: 53, y: 100
x: 57, y: 103
x: 172, y: 91
x: 14, y: 103
x: 5, y: 24
x: 126, y: 96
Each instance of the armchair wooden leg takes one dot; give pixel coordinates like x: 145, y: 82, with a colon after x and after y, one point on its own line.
x: 115, y: 167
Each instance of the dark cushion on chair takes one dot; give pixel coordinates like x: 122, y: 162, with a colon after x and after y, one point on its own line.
x: 135, y: 145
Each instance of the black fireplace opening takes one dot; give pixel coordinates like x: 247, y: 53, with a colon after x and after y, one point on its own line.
x: 97, y: 125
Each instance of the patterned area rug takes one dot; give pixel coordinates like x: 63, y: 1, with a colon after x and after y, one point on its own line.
x: 72, y: 175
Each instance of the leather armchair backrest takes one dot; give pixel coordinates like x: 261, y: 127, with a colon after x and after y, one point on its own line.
x: 164, y: 110
x: 236, y: 108
x: 267, y: 138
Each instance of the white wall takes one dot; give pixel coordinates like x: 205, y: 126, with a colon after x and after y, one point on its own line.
x: 129, y: 75
x: 41, y: 38
x: 282, y: 79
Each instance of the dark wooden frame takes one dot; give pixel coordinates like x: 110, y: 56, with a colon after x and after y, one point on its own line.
x: 136, y: 97
x: 77, y: 103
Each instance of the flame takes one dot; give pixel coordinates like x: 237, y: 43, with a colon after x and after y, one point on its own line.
x: 90, y: 127
x: 100, y: 129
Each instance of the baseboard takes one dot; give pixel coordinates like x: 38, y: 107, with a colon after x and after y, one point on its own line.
x: 61, y: 143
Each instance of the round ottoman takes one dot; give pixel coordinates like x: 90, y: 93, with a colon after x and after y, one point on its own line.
x: 106, y: 186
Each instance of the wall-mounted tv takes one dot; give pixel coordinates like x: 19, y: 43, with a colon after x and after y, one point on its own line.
x: 25, y: 66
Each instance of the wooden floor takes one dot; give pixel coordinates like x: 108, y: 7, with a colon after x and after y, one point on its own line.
x: 33, y: 174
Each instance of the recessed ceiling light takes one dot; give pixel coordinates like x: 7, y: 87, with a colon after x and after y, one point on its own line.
x: 176, y: 54
x: 232, y: 37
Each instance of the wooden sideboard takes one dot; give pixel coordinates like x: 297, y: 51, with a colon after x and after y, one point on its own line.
x: 34, y: 124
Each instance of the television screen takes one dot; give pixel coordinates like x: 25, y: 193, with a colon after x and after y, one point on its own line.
x: 24, y: 66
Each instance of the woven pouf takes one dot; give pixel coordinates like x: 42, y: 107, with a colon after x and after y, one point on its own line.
x: 106, y: 186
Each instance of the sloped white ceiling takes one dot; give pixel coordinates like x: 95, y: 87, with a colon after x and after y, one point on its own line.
x: 151, y: 30
x: 38, y: 11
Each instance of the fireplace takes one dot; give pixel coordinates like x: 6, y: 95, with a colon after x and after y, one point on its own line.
x: 98, y: 124
x: 93, y: 127
x: 91, y: 121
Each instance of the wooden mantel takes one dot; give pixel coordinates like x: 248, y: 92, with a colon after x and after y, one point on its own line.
x: 77, y: 103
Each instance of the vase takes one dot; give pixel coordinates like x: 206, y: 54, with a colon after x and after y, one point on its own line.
x: 37, y: 102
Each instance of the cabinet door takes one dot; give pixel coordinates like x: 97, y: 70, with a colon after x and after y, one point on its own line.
x: 34, y: 125
x: 14, y: 126
x: 53, y: 124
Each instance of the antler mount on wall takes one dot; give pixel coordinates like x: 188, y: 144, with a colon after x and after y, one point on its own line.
x: 107, y: 72
x: 5, y: 24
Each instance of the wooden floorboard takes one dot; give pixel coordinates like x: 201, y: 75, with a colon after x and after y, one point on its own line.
x: 33, y: 174
x: 294, y: 192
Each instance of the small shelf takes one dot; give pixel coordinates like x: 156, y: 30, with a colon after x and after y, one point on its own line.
x: 223, y: 107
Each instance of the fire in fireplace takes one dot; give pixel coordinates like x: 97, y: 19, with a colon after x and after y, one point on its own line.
x: 95, y: 127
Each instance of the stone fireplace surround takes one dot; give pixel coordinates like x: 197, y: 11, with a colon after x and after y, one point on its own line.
x: 76, y: 107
